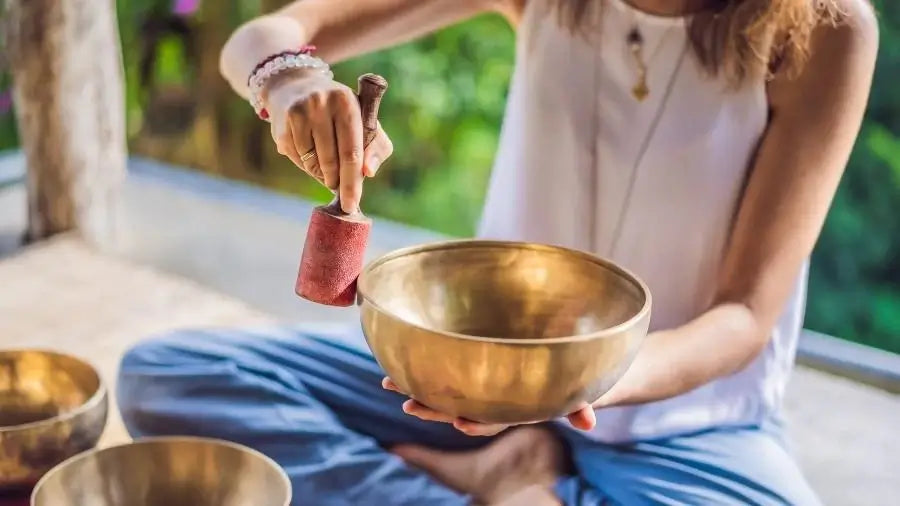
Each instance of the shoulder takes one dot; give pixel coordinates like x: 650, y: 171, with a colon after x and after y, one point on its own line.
x: 848, y: 29
x: 855, y: 23
x: 847, y: 37
x: 841, y: 56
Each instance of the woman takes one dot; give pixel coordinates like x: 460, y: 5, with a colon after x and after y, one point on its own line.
x: 701, y: 141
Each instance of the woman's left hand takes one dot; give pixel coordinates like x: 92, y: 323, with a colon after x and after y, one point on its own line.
x: 583, y: 418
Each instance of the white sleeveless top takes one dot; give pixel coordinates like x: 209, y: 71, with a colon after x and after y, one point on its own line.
x: 580, y: 164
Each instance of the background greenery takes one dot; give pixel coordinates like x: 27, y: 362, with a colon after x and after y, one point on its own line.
x: 443, y: 111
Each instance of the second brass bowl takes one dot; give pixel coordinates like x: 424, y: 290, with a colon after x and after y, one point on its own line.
x: 502, y: 332
x: 166, y: 471
x: 52, y: 406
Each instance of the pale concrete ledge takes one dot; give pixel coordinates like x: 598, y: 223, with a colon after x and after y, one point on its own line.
x: 11, y: 172
x: 854, y: 361
x: 199, y: 250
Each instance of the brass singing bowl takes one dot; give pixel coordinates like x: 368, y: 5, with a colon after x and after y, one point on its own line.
x: 166, y: 471
x: 52, y: 406
x: 502, y: 332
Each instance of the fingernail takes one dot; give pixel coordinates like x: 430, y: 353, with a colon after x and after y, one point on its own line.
x: 372, y: 165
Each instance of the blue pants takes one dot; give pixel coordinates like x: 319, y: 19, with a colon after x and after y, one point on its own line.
x: 313, y: 402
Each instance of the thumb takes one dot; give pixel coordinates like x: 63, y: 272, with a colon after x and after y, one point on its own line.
x: 584, y: 418
x: 377, y: 152
x: 371, y: 164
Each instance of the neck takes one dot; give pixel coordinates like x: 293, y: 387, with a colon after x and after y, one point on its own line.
x: 670, y: 7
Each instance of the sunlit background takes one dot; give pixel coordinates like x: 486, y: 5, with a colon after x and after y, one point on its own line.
x: 443, y: 112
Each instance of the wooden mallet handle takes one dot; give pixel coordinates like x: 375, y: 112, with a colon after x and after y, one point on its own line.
x: 371, y: 89
x: 369, y: 92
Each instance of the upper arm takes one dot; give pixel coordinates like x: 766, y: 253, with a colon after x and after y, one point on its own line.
x: 815, y: 118
x: 510, y: 9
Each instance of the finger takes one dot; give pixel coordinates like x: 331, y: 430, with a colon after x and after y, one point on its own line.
x: 388, y: 384
x: 322, y: 127
x: 349, y: 132
x: 302, y: 142
x: 300, y: 131
x: 471, y: 428
x: 284, y: 144
x: 294, y: 157
x: 417, y: 410
x: 584, y: 418
x: 377, y: 152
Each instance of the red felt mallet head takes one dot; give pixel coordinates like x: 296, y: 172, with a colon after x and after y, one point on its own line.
x: 335, y: 246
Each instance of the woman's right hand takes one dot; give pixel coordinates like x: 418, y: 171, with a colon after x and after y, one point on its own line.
x: 312, y: 113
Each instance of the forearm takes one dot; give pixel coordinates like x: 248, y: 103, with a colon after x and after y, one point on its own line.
x: 719, y: 342
x: 338, y: 29
x: 253, y: 42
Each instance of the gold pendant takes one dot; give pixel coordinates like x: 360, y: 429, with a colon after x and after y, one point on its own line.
x: 636, y: 44
x: 640, y: 90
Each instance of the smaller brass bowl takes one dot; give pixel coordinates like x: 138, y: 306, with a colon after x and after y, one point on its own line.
x: 166, y: 471
x: 502, y: 332
x: 52, y: 406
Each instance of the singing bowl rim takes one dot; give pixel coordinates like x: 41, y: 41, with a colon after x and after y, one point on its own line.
x: 93, y: 402
x: 364, y: 294
x: 71, y: 461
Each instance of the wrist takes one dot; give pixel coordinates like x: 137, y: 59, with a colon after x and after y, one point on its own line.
x: 616, y: 396
x: 276, y: 65
x: 287, y: 78
x: 631, y: 387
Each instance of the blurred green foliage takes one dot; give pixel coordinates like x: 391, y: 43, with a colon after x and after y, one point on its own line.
x: 854, y: 289
x: 443, y: 111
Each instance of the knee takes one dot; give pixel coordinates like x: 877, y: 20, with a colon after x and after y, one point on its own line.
x: 158, y: 377
x: 173, y: 363
x: 142, y: 367
x: 182, y: 349
x: 156, y: 351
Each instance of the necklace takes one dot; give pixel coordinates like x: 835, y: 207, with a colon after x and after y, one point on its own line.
x: 635, y: 40
x: 645, y: 144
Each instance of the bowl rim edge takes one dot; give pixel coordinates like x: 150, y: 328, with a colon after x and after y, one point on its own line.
x: 457, y: 243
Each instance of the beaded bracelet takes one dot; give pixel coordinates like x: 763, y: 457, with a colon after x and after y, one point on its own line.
x: 276, y: 64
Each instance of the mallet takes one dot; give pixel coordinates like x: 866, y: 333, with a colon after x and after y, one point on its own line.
x: 335, y: 246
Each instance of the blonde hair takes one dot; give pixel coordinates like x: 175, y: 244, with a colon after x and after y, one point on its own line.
x: 741, y: 38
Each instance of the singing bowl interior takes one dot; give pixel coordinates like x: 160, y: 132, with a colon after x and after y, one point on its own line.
x: 172, y: 471
x: 502, y: 331
x: 52, y: 406
x: 506, y: 290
